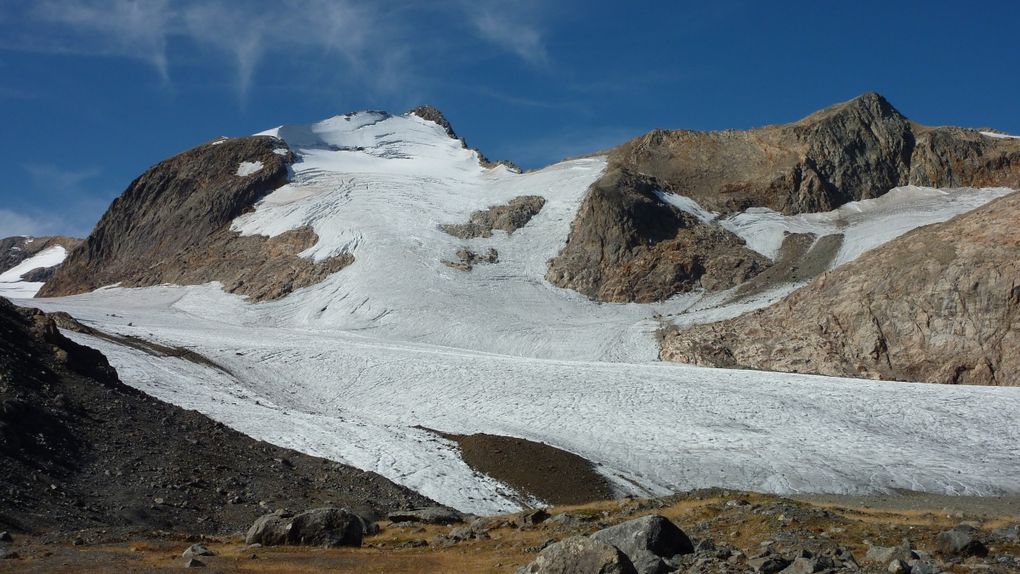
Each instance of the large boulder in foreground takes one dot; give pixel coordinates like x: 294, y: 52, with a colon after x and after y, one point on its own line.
x: 648, y: 542
x: 580, y: 555
x: 327, y: 527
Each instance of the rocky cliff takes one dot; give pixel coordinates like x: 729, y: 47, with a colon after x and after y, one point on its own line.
x: 79, y: 449
x: 939, y: 304
x: 172, y: 225
x: 628, y: 245
x: 851, y: 151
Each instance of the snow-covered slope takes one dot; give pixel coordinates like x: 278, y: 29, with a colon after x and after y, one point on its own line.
x: 347, y: 368
x: 13, y: 286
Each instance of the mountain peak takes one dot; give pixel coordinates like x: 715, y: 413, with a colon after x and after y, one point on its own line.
x: 432, y: 114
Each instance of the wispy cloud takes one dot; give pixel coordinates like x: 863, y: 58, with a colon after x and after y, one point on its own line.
x: 511, y: 26
x: 17, y: 223
x: 129, y: 28
x: 374, y: 43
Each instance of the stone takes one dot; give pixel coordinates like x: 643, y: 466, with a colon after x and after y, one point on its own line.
x: 885, y: 554
x: 327, y: 527
x: 530, y: 518
x: 898, y: 567
x: 768, y: 564
x: 961, y: 541
x: 580, y: 555
x: 6, y: 537
x: 194, y: 563
x: 197, y: 550
x: 648, y: 541
x: 429, y: 515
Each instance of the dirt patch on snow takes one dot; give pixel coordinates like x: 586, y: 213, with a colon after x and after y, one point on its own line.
x: 537, y: 469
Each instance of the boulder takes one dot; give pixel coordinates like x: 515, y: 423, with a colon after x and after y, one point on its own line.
x: 580, y: 555
x: 960, y: 542
x: 648, y: 542
x: 197, y: 550
x: 429, y: 515
x: 886, y: 554
x: 327, y: 527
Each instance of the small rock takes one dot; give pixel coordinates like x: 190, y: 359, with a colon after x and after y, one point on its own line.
x: 924, y: 567
x: 6, y: 537
x: 768, y: 564
x: 194, y: 563
x: 197, y: 550
x: 898, y: 567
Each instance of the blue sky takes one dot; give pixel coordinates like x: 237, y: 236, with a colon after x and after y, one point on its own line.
x: 94, y: 92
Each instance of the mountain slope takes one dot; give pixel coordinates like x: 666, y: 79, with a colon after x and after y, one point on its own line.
x: 27, y: 262
x: 172, y: 225
x: 939, y: 304
x: 852, y: 151
x: 79, y: 449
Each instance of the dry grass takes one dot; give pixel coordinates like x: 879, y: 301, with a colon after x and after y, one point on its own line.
x: 508, y: 547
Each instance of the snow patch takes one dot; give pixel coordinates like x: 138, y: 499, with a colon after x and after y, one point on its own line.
x: 247, y: 168
x: 11, y: 285
x: 687, y: 205
x: 998, y: 135
x: 865, y: 224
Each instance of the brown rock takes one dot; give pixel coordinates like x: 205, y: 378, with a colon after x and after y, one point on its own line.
x: 510, y: 217
x: 939, y: 304
x: 172, y: 225
x: 627, y: 245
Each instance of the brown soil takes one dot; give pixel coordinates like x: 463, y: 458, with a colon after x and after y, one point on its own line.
x: 537, y: 469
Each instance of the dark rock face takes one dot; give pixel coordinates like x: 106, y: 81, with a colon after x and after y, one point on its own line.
x: 648, y: 541
x: 620, y: 247
x: 172, y: 225
x: 81, y: 450
x: 510, y: 217
x: 869, y: 318
x: 580, y: 555
x: 628, y: 245
x: 329, y: 527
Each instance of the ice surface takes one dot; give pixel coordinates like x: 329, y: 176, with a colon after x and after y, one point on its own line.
x: 347, y: 368
x: 11, y: 285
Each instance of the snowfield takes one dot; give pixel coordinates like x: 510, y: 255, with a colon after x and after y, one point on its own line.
x: 11, y: 284
x: 347, y: 369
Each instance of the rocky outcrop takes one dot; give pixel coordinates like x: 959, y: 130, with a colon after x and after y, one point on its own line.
x: 626, y: 244
x: 14, y: 250
x: 81, y: 450
x: 172, y: 225
x: 510, y: 217
x: 940, y: 304
x: 851, y: 151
